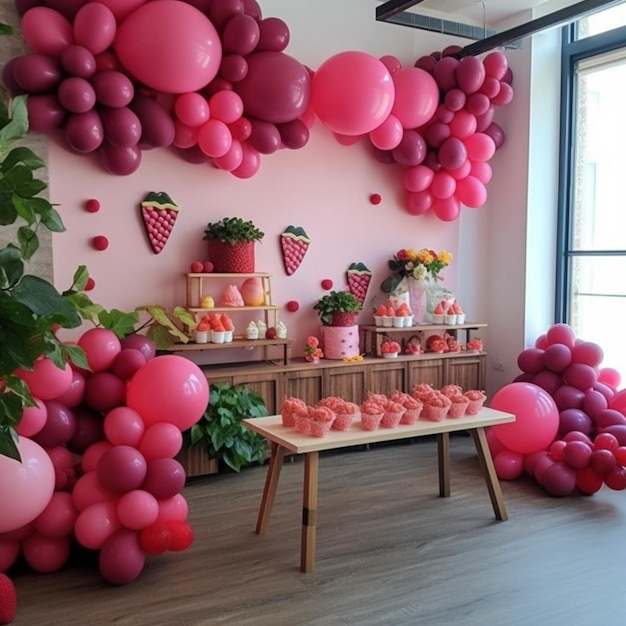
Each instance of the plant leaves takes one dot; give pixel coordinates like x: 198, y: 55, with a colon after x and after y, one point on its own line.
x: 24, y: 156
x: 28, y: 240
x: 121, y: 323
x: 11, y: 267
x: 43, y: 299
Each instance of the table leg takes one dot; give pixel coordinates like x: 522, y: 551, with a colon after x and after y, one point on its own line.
x: 271, y: 484
x: 491, y: 478
x: 443, y: 457
x: 309, y: 511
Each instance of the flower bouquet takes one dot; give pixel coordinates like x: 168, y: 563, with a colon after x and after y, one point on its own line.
x: 390, y: 349
x: 312, y: 352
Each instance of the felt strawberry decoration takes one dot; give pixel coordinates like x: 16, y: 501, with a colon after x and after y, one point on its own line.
x: 159, y: 214
x: 359, y: 277
x: 8, y: 599
x: 294, y: 242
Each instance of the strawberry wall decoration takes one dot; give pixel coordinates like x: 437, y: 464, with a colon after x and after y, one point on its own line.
x: 294, y: 243
x: 159, y: 214
x: 359, y: 277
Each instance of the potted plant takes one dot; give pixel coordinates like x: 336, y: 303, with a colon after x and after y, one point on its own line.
x: 338, y: 308
x: 219, y: 434
x: 231, y: 245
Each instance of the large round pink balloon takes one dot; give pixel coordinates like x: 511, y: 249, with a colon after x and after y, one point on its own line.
x: 94, y: 27
x: 101, y: 347
x: 47, y: 381
x: 416, y: 98
x: 536, y: 417
x: 47, y: 31
x: 169, y: 388
x: 352, y: 93
x: 26, y: 488
x: 170, y: 46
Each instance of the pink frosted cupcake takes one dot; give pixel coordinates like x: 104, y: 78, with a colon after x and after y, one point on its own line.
x: 392, y: 415
x: 476, y: 400
x: 372, y: 410
x: 320, y: 421
x: 458, y: 406
x: 288, y: 408
x: 451, y: 390
x: 421, y: 391
x: 303, y: 421
x: 370, y: 421
x: 412, y: 406
x: 436, y: 407
x: 345, y: 412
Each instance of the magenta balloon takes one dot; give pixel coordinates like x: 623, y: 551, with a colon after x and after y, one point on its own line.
x: 547, y: 380
x: 164, y: 478
x: 121, y: 559
x: 161, y: 440
x: 96, y: 523
x: 171, y: 389
x: 250, y: 162
x: 78, y: 61
x: 46, y: 381
x: 419, y: 202
x: 443, y: 185
x: 587, y: 352
x: 121, y: 126
x: 447, y: 209
x: 101, y: 346
x: 559, y: 480
x: 124, y: 427
x: 95, y: 27
x: 127, y: 362
x: 509, y: 465
x: 391, y: 62
x: 577, y: 454
x: 294, y: 134
x: 121, y: 469
x: 233, y: 68
x: 352, y: 93
x: 273, y: 35
x: 113, y: 88
x: 471, y: 192
x: 251, y: 7
x: 574, y: 420
x: 88, y: 430
x: 411, y: 150
x: 477, y: 104
x: 416, y: 96
x: 580, y: 375
x: 418, y: 178
x: 157, y: 126
x: 496, y: 65
x: 537, y: 417
x: 220, y: 12
x: 470, y: 74
x: 388, y: 135
x: 276, y: 89
x: 557, y: 357
x: 435, y: 133
x: 568, y: 397
x: 454, y: 100
x: 104, y: 391
x: 504, y: 96
x: 481, y: 170
x: 426, y: 63
x: 609, y: 417
x: 561, y: 333
x: 45, y: 113
x: 37, y: 73
x: 530, y: 360
x: 214, y: 138
x: 463, y: 125
x: 443, y: 114
x: 452, y: 154
x: 140, y: 342
x: 84, y: 132
x: 480, y: 147
x: 496, y: 133
x: 444, y: 73
x: 46, y: 554
x: 119, y: 161
x: 46, y: 31
x: 26, y: 487
x: 77, y: 95
x: 485, y: 120
x: 241, y: 35
x: 232, y: 159
x: 88, y: 491
x: 170, y: 46
x: 594, y: 403
x: 226, y: 106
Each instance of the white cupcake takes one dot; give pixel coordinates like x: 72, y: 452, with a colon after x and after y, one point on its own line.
x: 252, y: 331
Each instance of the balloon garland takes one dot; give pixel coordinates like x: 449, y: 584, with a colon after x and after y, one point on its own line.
x: 570, y: 431
x: 98, y: 458
x: 211, y: 79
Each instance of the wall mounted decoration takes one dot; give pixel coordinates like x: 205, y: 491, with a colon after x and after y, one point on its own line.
x: 359, y: 277
x: 100, y: 242
x: 294, y: 243
x: 92, y: 205
x: 159, y: 214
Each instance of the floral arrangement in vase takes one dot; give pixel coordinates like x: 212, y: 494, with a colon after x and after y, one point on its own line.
x: 390, y: 348
x: 312, y: 352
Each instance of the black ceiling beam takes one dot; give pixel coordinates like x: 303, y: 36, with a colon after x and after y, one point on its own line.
x: 393, y: 7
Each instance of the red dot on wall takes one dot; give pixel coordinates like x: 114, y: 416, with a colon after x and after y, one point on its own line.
x: 91, y: 283
x: 92, y: 205
x: 376, y: 198
x: 293, y: 306
x: 327, y: 284
x: 100, y: 242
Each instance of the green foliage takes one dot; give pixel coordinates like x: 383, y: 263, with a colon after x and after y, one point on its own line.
x: 220, y: 429
x: 337, y: 302
x: 233, y: 230
x: 163, y: 327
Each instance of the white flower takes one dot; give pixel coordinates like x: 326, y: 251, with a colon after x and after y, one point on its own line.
x: 420, y: 272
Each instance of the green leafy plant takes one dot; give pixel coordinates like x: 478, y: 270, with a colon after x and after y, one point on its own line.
x: 336, y: 302
x: 233, y: 230
x: 220, y: 429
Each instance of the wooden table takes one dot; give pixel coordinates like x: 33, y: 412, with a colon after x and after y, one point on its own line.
x: 283, y: 439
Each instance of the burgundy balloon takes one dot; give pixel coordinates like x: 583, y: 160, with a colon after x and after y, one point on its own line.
x: 383, y: 156
x: 67, y: 8
x: 37, y: 73
x: 452, y: 153
x: 273, y: 35
x: 490, y: 87
x: 616, y: 478
x: 580, y: 375
x: 140, y: 342
x: 455, y: 99
x: 594, y: 403
x: 444, y: 114
x: 605, y: 390
x: 294, y: 135
x: 523, y: 378
x: 59, y: 427
x: 241, y: 35
x: 609, y: 417
x: 445, y: 73
x: 557, y: 357
x: 547, y: 380
x: 426, y: 63
x: 504, y: 96
x: 127, y: 362
x: 84, y: 132
x: 265, y: 137
x: 577, y: 454
x: 104, y: 391
x: 559, y: 480
x: 121, y: 125
x: 477, y: 104
x: 121, y: 469
x: 573, y: 420
x: 89, y: 430
x: 432, y: 161
x: 157, y: 126
x: 220, y: 12
x: 45, y: 113
x: 8, y: 78
x: 470, y: 74
x: 602, y: 461
x: 164, y: 478
x: 113, y: 88
x: 121, y: 559
x: 485, y: 120
x: 78, y: 61
x: 436, y: 133
x: 193, y: 155
x: 76, y: 95
x: 568, y: 397
x: 118, y: 160
x: 496, y: 133
x: 233, y: 68
x: 251, y: 7
x: 531, y: 360
x: 411, y: 150
x: 618, y: 431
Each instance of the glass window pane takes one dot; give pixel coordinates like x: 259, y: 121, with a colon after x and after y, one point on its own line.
x: 602, y: 22
x: 598, y: 305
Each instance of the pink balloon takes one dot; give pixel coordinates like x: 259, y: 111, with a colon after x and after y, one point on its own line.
x: 496, y: 65
x: 161, y: 440
x: 537, y: 417
x: 276, y: 89
x: 419, y: 202
x: 46, y: 554
x: 443, y: 114
x: 241, y: 35
x: 171, y: 389
x: 388, y: 135
x: 88, y: 491
x: 443, y: 186
x: 84, y: 132
x: 184, y: 136
x: 416, y: 96
x: 447, y: 209
x: 123, y: 426
x: 618, y: 401
x: 480, y: 147
x: 113, y: 89
x: 610, y: 376
x: 121, y: 559
x: 226, y: 106
x: 455, y: 100
x: 477, y: 104
x: 170, y: 46
x: 587, y: 352
x: 28, y: 486
x: 250, y: 163
x: 481, y: 170
x: 46, y: 381
x: 562, y: 333
x: 58, y: 518
x: 214, y: 138
x: 75, y: 393
x: 471, y: 192
x: 47, y: 31
x: 490, y: 87
x: 95, y: 27
x: 484, y: 121
x: 509, y: 465
x: 418, y: 178
x: 137, y: 509
x: 557, y: 357
x: 444, y: 73
x: 463, y: 124
x: 352, y: 93
x: 580, y: 375
x: 531, y: 360
x: 173, y: 509
x: 96, y: 523
x: 241, y: 129
x: 392, y: 63
x: 9, y: 551
x: 273, y: 35
x: 122, y: 127
x: 232, y: 159
x: 45, y: 113
x: 92, y: 455
x: 37, y: 73
x: 33, y: 419
x: 504, y: 96
x: 192, y: 109
x: 470, y: 74
x: 119, y: 160
x: 594, y: 403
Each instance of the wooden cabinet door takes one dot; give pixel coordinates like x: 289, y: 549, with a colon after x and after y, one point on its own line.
x: 467, y: 371
x: 305, y: 384
x: 268, y: 386
x: 429, y: 371
x: 389, y: 376
x: 349, y: 383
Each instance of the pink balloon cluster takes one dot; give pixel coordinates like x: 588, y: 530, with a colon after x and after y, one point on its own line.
x: 121, y: 76
x: 98, y: 458
x: 570, y: 431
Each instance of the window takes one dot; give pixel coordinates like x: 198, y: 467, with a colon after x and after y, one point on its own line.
x: 591, y: 266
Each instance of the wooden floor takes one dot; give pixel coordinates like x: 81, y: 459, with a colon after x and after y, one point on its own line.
x: 389, y: 552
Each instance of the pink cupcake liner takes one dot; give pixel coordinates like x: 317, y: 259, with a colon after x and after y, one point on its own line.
x: 288, y: 419
x: 411, y: 416
x: 391, y: 420
x: 457, y: 409
x: 371, y: 421
x: 319, y: 429
x: 474, y: 407
x: 303, y: 425
x: 435, y: 413
x: 343, y: 421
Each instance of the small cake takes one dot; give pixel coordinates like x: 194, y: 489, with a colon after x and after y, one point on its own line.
x: 476, y: 400
x: 438, y: 313
x: 252, y: 331
x: 288, y: 408
x: 436, y: 407
x: 281, y: 330
x: 302, y: 421
x: 321, y: 419
x: 449, y: 317
x: 458, y: 406
x: 345, y: 412
x: 451, y: 390
x: 372, y: 409
x: 412, y: 406
x: 392, y: 415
